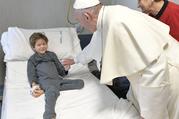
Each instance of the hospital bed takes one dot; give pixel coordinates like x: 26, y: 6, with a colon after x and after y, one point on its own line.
x: 94, y: 101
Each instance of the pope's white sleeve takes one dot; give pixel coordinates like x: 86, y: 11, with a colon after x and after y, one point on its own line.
x: 91, y: 51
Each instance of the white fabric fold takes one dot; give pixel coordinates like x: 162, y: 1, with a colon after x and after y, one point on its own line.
x: 127, y: 50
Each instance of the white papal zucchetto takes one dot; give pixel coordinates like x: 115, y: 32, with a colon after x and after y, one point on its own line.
x: 82, y: 4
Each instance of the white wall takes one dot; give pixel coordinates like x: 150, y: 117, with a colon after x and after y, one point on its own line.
x: 132, y: 3
x: 33, y: 13
x: 129, y: 3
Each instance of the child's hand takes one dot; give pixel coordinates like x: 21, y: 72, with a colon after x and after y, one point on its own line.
x: 36, y: 91
x: 67, y: 67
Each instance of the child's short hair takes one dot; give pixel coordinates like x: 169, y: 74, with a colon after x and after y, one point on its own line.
x: 35, y: 36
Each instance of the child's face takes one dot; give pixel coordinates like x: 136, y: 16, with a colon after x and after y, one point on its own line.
x: 40, y: 46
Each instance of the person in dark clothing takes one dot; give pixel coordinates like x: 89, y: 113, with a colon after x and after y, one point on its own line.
x: 163, y: 10
x: 45, y: 72
x: 120, y: 85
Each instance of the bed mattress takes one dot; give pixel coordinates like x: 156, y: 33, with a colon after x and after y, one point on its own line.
x: 94, y: 101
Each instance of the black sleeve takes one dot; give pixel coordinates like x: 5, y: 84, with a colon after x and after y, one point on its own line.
x: 31, y: 73
x: 60, y: 68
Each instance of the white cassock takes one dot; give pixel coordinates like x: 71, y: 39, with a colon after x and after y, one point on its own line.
x: 140, y: 47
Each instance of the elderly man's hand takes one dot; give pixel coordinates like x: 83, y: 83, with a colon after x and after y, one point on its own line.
x: 36, y: 91
x: 68, y: 61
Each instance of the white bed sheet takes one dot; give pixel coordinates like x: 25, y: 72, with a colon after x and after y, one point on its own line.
x: 94, y: 101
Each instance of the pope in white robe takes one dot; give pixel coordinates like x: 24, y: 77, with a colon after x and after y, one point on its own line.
x: 135, y: 45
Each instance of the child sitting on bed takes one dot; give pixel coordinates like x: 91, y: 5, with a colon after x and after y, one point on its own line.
x: 46, y: 72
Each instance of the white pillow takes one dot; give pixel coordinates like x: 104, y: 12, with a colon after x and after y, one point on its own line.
x: 63, y: 41
x: 4, y: 44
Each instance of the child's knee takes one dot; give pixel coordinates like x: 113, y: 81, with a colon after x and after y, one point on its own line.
x: 52, y: 90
